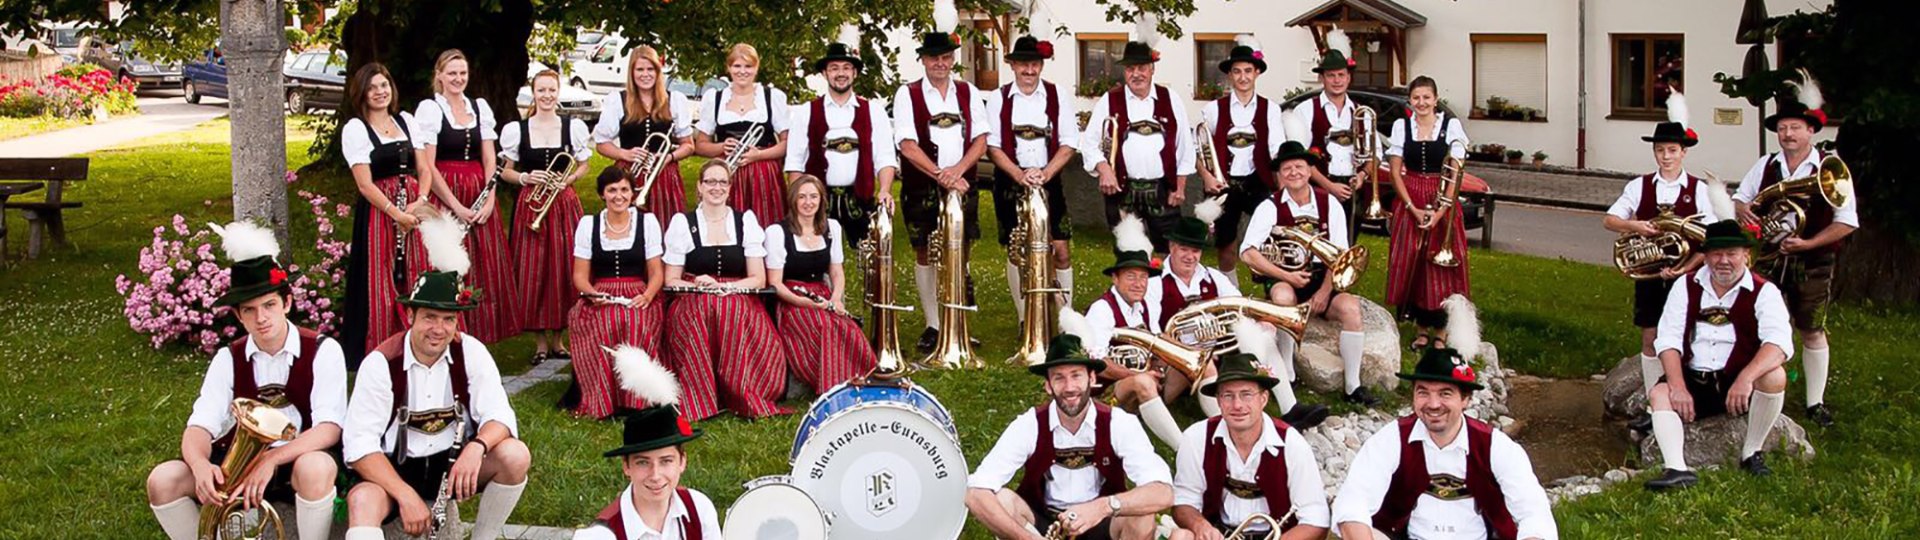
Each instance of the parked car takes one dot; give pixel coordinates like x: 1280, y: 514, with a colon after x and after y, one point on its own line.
x: 315, y: 80
x: 206, y: 77
x: 1476, y: 197
x: 65, y: 40
x: 574, y: 102
x: 604, y: 69
x: 123, y: 62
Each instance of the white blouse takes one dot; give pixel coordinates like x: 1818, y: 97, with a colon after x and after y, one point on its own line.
x: 1456, y: 133
x: 679, y: 238
x: 613, y: 112
x: 358, y: 149
x: 779, y: 116
x: 777, y: 245
x: 581, y: 144
x: 583, y: 237
x: 429, y: 115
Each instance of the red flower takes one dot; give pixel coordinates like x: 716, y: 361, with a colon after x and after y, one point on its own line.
x: 1155, y: 55
x: 275, y: 276
x: 686, y: 430
x: 1258, y: 55
x: 1753, y: 228
x: 1046, y: 49
x: 1350, y: 62
x: 1155, y: 262
x: 955, y: 36
x: 1463, y: 373
x: 465, y: 297
x: 1691, y: 135
x: 1317, y: 152
x: 1818, y: 114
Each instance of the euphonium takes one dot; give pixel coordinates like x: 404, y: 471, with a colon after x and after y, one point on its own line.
x: 1208, y: 325
x: 947, y: 252
x: 1030, y: 252
x: 1137, y: 349
x: 1366, y: 162
x: 1782, y: 212
x: 1452, y: 172
x: 542, y: 194
x: 1273, y: 526
x: 659, y: 149
x: 876, y: 259
x: 256, y: 427
x: 1642, y: 257
x: 738, y: 156
x: 1203, y: 141
x: 1289, y: 248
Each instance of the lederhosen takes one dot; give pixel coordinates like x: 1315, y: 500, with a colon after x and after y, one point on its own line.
x: 1008, y: 193
x: 1269, y: 480
x: 1039, y: 467
x: 850, y: 205
x: 373, y: 284
x: 1411, y: 481
x: 543, y: 259
x: 1650, y: 295
x: 1146, y: 197
x: 423, y: 473
x: 1283, y: 217
x: 297, y: 391
x: 1709, y: 388
x: 1244, y: 193
x: 690, y: 529
x: 623, y: 273
x: 1172, y: 300
x: 760, y: 186
x: 1416, y: 286
x: 920, y: 193
x: 1806, y: 278
x: 669, y: 192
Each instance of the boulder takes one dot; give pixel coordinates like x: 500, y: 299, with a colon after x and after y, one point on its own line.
x: 1621, y: 390
x: 1716, y: 441
x: 1317, y: 361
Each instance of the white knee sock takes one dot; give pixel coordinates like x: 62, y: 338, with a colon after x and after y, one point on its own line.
x: 365, y: 533
x: 496, y: 503
x: 923, y: 280
x: 314, y: 519
x: 1208, y: 405
x: 1286, y: 360
x: 180, y: 519
x: 1065, y: 277
x: 1650, y: 373
x: 1283, y: 397
x: 1014, y: 288
x: 1672, y: 435
x: 1161, y: 422
x: 1816, y: 360
x: 1350, y: 346
x: 1233, y: 277
x: 1765, y: 408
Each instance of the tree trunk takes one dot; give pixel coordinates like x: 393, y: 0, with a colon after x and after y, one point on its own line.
x: 1876, y: 262
x: 254, y: 43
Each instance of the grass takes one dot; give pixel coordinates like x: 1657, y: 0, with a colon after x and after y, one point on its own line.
x: 90, y: 408
x: 14, y: 128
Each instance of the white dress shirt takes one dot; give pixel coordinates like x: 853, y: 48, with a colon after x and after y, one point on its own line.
x: 583, y: 237
x: 776, y: 115
x: 637, y: 528
x: 212, y: 410
x: 777, y: 245
x: 951, y: 140
x: 581, y: 145
x: 1100, y: 322
x: 679, y: 238
x: 839, y: 119
x: 1750, y: 185
x: 1339, y: 118
x: 1241, y: 114
x: 358, y: 149
x: 1142, y: 152
x: 1189, y: 288
x: 1713, y: 344
x: 1373, y: 469
x: 1267, y: 216
x: 368, y: 428
x: 1665, y: 191
x: 1304, y: 487
x: 1067, y: 487
x: 1456, y: 136
x: 613, y: 113
x: 1031, y: 110
x: 428, y: 116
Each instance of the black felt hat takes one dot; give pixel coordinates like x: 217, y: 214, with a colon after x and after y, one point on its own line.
x: 1066, y: 350
x: 839, y: 52
x: 1292, y: 150
x: 1138, y: 53
x: 1244, y: 53
x: 1726, y: 233
x: 1443, y: 365
x: 253, y: 278
x: 1240, y: 367
x: 1672, y: 132
x: 1029, y: 48
x: 653, y: 428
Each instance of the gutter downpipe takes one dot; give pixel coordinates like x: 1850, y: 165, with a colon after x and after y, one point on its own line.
x: 1580, y: 139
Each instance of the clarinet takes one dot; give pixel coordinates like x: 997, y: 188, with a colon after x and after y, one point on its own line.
x: 444, y: 498
x: 715, y: 290
x: 809, y: 295
x: 400, y: 239
x: 487, y: 189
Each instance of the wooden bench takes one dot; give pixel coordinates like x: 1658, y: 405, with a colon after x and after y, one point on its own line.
x: 45, y: 221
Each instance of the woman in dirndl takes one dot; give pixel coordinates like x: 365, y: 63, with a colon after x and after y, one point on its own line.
x: 824, y: 344
x: 458, y: 135
x: 721, y: 344
x: 733, y: 110
x: 628, y: 117
x: 1416, y: 151
x: 378, y: 145
x: 543, y: 272
x: 616, y: 268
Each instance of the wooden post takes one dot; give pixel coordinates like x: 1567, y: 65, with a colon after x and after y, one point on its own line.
x: 251, y: 35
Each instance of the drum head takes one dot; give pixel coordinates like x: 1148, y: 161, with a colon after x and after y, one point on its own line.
x: 885, y: 470
x: 774, y: 511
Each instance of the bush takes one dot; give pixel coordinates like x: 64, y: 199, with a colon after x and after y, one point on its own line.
x: 63, y: 96
x: 75, y: 71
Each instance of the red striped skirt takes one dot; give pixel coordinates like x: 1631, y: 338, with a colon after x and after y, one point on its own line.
x: 762, y: 188
x: 1413, y: 281
x: 669, y: 195
x: 385, y: 315
x: 823, y: 349
x: 495, y: 318
x: 543, y: 262
x: 723, y: 349
x: 595, y: 326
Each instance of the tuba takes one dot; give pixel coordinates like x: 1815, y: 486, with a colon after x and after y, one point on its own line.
x: 1642, y: 257
x: 1366, y: 161
x: 1110, y: 140
x: 1782, y: 206
x: 947, y: 253
x: 659, y: 149
x: 738, y: 156
x: 542, y: 194
x: 257, y: 426
x: 1452, y: 172
x: 876, y: 260
x: 1208, y: 325
x: 1029, y: 250
x: 1290, y: 248
x: 1273, y: 525
x: 1206, y: 159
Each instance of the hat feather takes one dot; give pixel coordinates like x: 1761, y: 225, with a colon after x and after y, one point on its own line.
x: 945, y: 16
x: 1131, y: 235
x: 443, y: 236
x: 1295, y: 128
x: 1463, y: 326
x: 1337, y: 40
x: 1807, y: 90
x: 1717, y: 196
x: 1677, y: 109
x: 849, y: 35
x: 1247, y: 40
x: 1146, y: 29
x: 243, y: 240
x: 1074, y: 324
x: 641, y: 376
x: 1255, y: 339
x: 1210, y: 209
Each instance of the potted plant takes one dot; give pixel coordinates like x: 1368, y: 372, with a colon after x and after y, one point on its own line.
x: 1514, y: 155
x: 1209, y: 91
x: 1487, y: 152
x: 1539, y: 158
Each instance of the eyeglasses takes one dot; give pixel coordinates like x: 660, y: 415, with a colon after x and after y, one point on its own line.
x: 712, y: 182
x: 1237, y: 396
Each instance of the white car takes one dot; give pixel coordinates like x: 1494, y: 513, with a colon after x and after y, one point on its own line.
x: 604, y: 67
x: 574, y: 102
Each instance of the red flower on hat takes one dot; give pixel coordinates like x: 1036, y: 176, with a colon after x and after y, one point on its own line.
x: 467, y: 296
x: 275, y: 276
x: 1463, y: 372
x: 1350, y: 62
x: 1155, y: 55
x: 1257, y: 55
x: 955, y: 36
x: 1753, y: 228
x: 1818, y: 114
x: 1691, y: 135
x: 686, y: 429
x: 1155, y: 262
x: 1317, y: 152
x: 1046, y: 49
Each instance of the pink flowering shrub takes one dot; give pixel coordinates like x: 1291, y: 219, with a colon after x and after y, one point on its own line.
x: 64, y: 96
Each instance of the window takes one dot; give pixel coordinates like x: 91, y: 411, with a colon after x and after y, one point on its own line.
x: 1646, y: 69
x: 1372, y: 61
x: 1100, y: 67
x: 1209, y: 82
x: 304, y: 62
x: 1510, y: 77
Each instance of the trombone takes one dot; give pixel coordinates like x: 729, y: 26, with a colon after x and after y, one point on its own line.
x: 1445, y: 201
x: 1366, y: 162
x: 542, y: 194
x: 659, y: 149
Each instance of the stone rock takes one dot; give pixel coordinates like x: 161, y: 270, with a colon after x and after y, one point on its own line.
x: 1616, y: 475
x: 1715, y: 441
x: 1317, y: 361
x: 1621, y: 390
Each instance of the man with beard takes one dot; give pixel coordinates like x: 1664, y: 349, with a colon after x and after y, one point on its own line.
x: 1153, y: 151
x: 834, y: 139
x: 1243, y: 462
x: 1724, y: 335
x: 1032, y: 141
x: 1078, y: 457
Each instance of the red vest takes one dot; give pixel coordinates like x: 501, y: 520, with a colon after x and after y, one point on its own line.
x: 1033, y: 483
x: 1260, y: 155
x: 1006, y: 120
x: 1819, y: 213
x: 1746, y: 324
x: 1271, y: 476
x: 392, y: 350
x: 299, y: 387
x: 1162, y: 113
x: 1411, y: 480
x: 689, y: 526
x: 1684, y: 205
x: 1171, y: 301
x: 1320, y: 126
x: 920, y: 127
x: 1113, y: 305
x: 862, y: 128
x: 1283, y: 214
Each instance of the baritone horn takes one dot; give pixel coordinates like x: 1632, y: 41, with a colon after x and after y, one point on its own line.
x: 1208, y: 325
x: 1783, y: 212
x: 1366, y: 161
x: 642, y: 173
x: 257, y: 426
x: 1644, y: 257
x: 1030, y: 251
x: 1273, y: 526
x: 1293, y: 248
x: 542, y: 194
x: 1110, y: 140
x: 1207, y: 160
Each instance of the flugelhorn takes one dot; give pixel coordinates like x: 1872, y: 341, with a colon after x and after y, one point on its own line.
x: 1138, y: 349
x: 746, y: 142
x: 257, y: 426
x: 1643, y: 257
x: 1366, y: 161
x: 1782, y: 207
x: 1030, y: 250
x: 1293, y: 248
x: 947, y: 253
x: 1207, y: 160
x: 876, y: 260
x: 659, y: 150
x: 543, y: 193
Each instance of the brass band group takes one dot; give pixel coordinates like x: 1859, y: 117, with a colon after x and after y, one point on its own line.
x: 674, y: 311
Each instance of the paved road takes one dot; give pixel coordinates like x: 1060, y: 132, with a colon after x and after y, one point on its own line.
x: 160, y: 114
x: 1552, y: 232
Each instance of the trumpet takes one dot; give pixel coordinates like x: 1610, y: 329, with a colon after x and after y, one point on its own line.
x: 1273, y: 526
x: 1207, y: 160
x: 257, y: 425
x: 543, y: 193
x: 1366, y: 161
x: 659, y: 150
x: 747, y: 141
x: 1783, y: 209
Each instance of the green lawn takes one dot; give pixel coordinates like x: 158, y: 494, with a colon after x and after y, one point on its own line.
x: 14, y: 128
x: 90, y: 408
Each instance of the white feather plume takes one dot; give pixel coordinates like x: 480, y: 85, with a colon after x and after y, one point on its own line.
x: 1146, y: 29
x: 1337, y: 40
x: 1677, y: 109
x: 242, y: 240
x: 443, y: 236
x: 1295, y: 128
x: 1717, y: 196
x: 1257, y: 340
x: 1131, y: 235
x: 1247, y: 40
x: 1210, y: 209
x: 849, y: 35
x: 1463, y: 326
x: 945, y: 16
x: 1074, y: 324
x: 1808, y: 90
x: 641, y: 376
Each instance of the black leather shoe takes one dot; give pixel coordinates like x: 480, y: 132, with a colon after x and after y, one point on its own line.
x: 928, y: 339
x: 1756, y: 465
x: 1673, y: 479
x: 1361, y: 396
x: 1304, y: 417
x: 1820, y: 414
x: 1642, y: 423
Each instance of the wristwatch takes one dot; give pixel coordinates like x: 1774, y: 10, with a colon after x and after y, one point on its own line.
x: 1113, y: 503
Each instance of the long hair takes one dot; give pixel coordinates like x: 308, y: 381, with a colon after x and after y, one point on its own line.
x: 636, y: 108
x: 819, y: 221
x: 358, y: 86
x: 440, y: 64
x: 543, y: 74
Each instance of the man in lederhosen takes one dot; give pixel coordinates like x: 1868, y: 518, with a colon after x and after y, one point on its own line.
x: 1033, y: 138
x: 941, y: 126
x: 845, y: 141
x: 284, y: 366
x: 1079, y: 456
x: 1329, y: 121
x: 1242, y: 462
x: 1724, y: 335
x: 1439, y: 474
x: 1804, y: 270
x: 1246, y: 131
x: 1155, y: 144
x: 1147, y: 392
x: 419, y: 391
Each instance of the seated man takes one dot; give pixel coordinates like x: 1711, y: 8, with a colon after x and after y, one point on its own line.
x: 1123, y: 306
x: 1724, y: 334
x: 1437, y: 474
x: 1078, y: 456
x: 653, y: 456
x: 1243, y: 463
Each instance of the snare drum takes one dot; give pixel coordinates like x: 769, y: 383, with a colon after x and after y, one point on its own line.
x: 883, y: 462
x: 773, y: 509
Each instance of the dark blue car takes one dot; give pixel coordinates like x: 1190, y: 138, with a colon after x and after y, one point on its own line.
x: 206, y: 76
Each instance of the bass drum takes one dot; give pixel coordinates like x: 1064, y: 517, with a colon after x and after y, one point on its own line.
x: 773, y: 509
x: 883, y: 462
